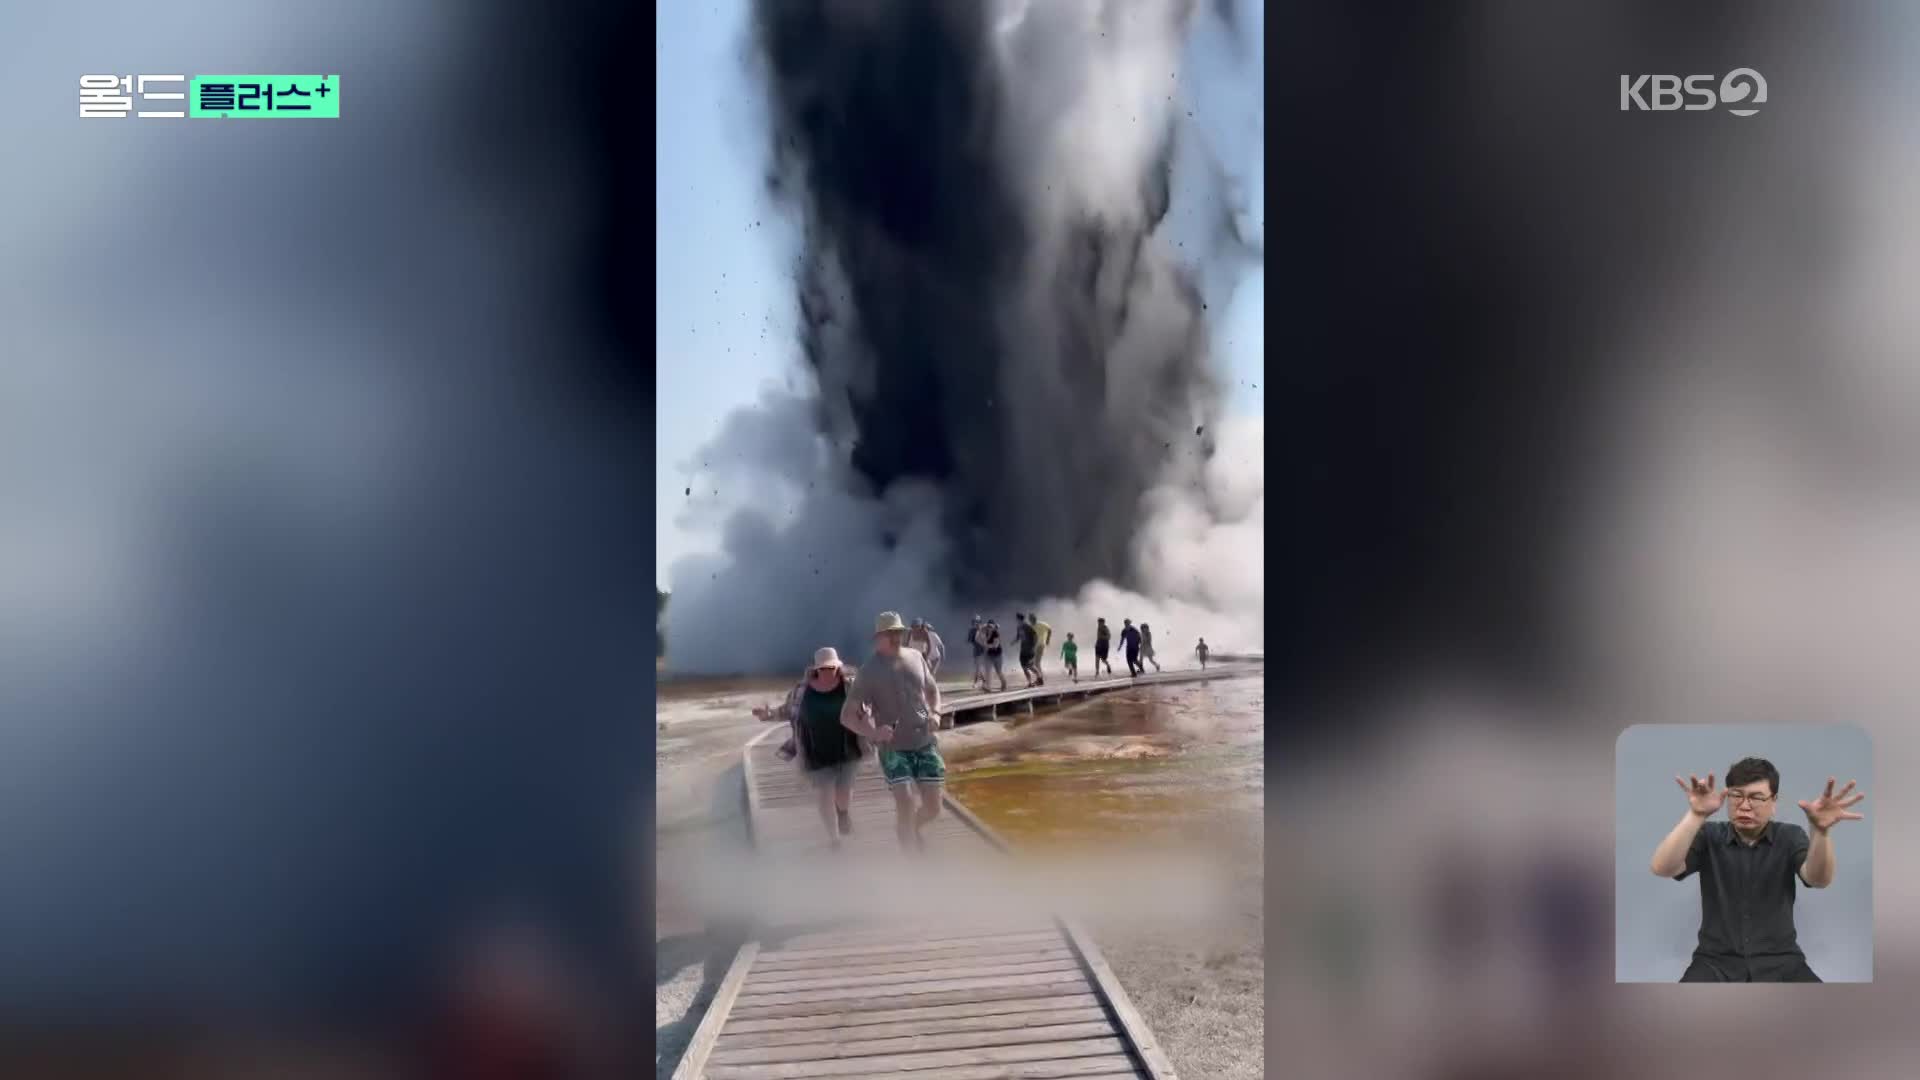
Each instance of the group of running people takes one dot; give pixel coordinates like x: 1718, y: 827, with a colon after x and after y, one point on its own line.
x: 1032, y: 636
x: 893, y: 704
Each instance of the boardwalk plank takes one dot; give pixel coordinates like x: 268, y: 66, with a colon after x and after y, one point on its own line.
x: 996, y: 943
x: 1103, y: 1067
x: 901, y: 1045
x: 918, y: 1004
x: 767, y: 976
x: 959, y: 932
x: 979, y: 949
x: 891, y: 994
x: 908, y: 1062
x: 1025, y: 1014
x: 829, y: 979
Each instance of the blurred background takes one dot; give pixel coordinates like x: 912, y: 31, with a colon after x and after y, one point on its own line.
x: 1583, y: 418
x: 325, y: 735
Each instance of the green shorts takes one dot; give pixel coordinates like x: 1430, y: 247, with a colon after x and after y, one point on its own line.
x: 913, y: 766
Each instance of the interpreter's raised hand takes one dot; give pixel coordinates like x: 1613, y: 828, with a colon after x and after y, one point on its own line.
x: 1829, y: 807
x: 1703, y: 798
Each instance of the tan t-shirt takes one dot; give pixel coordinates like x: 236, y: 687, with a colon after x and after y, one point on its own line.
x: 897, y: 688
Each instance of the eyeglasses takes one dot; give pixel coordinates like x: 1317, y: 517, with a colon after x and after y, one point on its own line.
x: 1748, y: 800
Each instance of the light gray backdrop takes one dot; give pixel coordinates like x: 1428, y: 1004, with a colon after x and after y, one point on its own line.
x: 1656, y: 922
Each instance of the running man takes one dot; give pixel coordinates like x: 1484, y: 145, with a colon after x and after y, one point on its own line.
x: 979, y: 653
x: 1102, y: 637
x: 1130, y: 641
x: 924, y: 641
x: 899, y: 692
x: 1070, y: 655
x: 1202, y: 652
x: 1043, y: 636
x: 1027, y: 638
x: 1146, y: 648
x: 990, y: 637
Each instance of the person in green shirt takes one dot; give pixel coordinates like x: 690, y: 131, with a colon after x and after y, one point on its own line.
x: 1070, y: 653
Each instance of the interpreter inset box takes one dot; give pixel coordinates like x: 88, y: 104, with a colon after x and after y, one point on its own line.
x: 1743, y: 853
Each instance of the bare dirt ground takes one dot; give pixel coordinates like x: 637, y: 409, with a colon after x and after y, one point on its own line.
x: 1204, y: 996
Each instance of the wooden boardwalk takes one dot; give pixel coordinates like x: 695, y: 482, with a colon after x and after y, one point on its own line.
x: 1026, y: 997
x: 972, y: 703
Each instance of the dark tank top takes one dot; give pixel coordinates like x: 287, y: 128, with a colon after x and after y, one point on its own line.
x: 827, y: 742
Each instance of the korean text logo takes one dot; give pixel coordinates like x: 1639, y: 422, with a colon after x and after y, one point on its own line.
x: 111, y: 97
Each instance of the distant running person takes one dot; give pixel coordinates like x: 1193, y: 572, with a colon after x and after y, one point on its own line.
x: 1130, y: 641
x: 1146, y: 648
x: 923, y: 640
x: 1102, y: 637
x: 1042, y: 637
x: 1202, y: 652
x: 996, y: 646
x: 1026, y: 637
x: 979, y: 653
x: 1070, y: 656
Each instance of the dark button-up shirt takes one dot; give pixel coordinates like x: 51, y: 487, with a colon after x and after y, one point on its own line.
x: 1746, y: 898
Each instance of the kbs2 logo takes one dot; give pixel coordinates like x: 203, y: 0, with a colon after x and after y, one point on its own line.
x: 1742, y: 90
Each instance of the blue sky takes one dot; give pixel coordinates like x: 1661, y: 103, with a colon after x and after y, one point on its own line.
x: 723, y: 302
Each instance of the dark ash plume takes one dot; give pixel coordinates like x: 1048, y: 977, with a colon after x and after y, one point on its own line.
x: 895, y: 137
